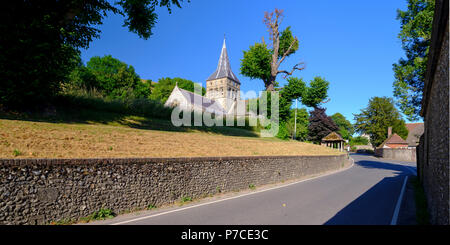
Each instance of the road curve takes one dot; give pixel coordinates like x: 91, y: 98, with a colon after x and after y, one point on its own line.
x: 366, y: 193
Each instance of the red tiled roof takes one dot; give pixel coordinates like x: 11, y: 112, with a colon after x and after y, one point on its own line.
x: 411, y: 126
x: 395, y: 139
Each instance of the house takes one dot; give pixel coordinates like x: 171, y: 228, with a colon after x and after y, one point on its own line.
x: 393, y: 141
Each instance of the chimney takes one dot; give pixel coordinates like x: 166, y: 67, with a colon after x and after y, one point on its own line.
x: 389, y: 132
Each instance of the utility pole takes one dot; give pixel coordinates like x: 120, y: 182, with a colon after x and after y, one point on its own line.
x: 295, y: 119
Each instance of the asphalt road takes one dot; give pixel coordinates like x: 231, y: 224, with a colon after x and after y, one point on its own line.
x: 366, y: 193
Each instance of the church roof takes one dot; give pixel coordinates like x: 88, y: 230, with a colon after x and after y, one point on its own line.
x: 223, y: 68
x: 201, y: 102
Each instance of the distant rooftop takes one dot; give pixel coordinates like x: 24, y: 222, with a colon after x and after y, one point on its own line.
x: 333, y: 136
x: 415, y: 130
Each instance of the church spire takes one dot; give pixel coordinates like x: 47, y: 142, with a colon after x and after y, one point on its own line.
x: 223, y: 68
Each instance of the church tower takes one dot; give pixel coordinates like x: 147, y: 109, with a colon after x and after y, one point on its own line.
x: 223, y: 86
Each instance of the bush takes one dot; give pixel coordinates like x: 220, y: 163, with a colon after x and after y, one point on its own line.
x: 109, y: 76
x: 103, y: 214
x: 283, y: 132
x: 80, y: 98
x: 359, y: 141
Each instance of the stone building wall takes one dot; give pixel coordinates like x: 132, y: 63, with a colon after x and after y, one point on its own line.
x: 433, y: 151
x: 39, y: 191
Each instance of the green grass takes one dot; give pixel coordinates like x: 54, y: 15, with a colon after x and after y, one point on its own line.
x: 83, y: 107
x: 101, y: 214
x: 184, y: 200
x: 422, y: 215
x: 252, y: 186
x: 151, y: 206
x: 16, y: 153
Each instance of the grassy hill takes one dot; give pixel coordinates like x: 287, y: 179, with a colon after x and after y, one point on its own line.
x: 33, y: 139
x: 88, y: 133
x: 84, y: 126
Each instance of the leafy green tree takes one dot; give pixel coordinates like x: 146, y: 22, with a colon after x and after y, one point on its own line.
x: 292, y: 91
x: 416, y: 23
x: 256, y: 63
x: 302, y: 124
x: 115, y: 79
x: 40, y: 39
x: 310, y: 96
x: 81, y: 77
x: 359, y: 140
x: 316, y: 92
x: 260, y: 62
x: 375, y: 119
x: 163, y: 88
x: 345, y: 127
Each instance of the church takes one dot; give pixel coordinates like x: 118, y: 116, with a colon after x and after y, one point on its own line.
x: 222, y: 92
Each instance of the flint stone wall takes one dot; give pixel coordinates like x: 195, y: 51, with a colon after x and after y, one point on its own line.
x: 401, y: 154
x: 433, y: 165
x: 39, y: 191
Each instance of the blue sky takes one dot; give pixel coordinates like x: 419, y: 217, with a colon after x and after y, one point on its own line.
x: 352, y: 44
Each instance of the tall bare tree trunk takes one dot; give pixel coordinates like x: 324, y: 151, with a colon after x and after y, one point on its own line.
x: 273, y: 22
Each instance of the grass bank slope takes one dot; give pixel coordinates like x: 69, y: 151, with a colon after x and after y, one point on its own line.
x: 122, y: 138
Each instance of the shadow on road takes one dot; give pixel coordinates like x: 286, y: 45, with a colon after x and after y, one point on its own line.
x: 376, y: 206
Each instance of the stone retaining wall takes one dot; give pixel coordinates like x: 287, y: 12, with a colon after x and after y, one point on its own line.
x: 401, y: 154
x: 39, y: 191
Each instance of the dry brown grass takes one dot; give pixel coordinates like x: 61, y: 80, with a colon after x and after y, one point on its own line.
x: 26, y: 139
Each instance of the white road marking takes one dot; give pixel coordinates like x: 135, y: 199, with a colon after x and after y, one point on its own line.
x: 230, y: 198
x: 399, y: 202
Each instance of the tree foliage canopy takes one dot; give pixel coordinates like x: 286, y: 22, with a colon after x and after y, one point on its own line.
x: 302, y: 124
x: 416, y: 23
x: 256, y: 62
x: 110, y: 76
x: 320, y: 125
x: 375, y: 119
x: 40, y: 39
x: 262, y: 62
x: 345, y: 127
x: 163, y: 88
x: 316, y: 93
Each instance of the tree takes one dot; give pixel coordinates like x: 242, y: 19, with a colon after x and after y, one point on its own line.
x: 302, y: 124
x: 260, y: 62
x: 345, y: 127
x: 82, y: 78
x: 40, y: 38
x: 416, y: 23
x: 292, y: 91
x: 316, y: 92
x: 375, y: 119
x: 163, y: 88
x: 115, y: 79
x: 359, y: 140
x: 320, y: 125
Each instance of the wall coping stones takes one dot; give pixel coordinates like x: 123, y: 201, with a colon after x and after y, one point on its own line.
x: 146, y: 160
